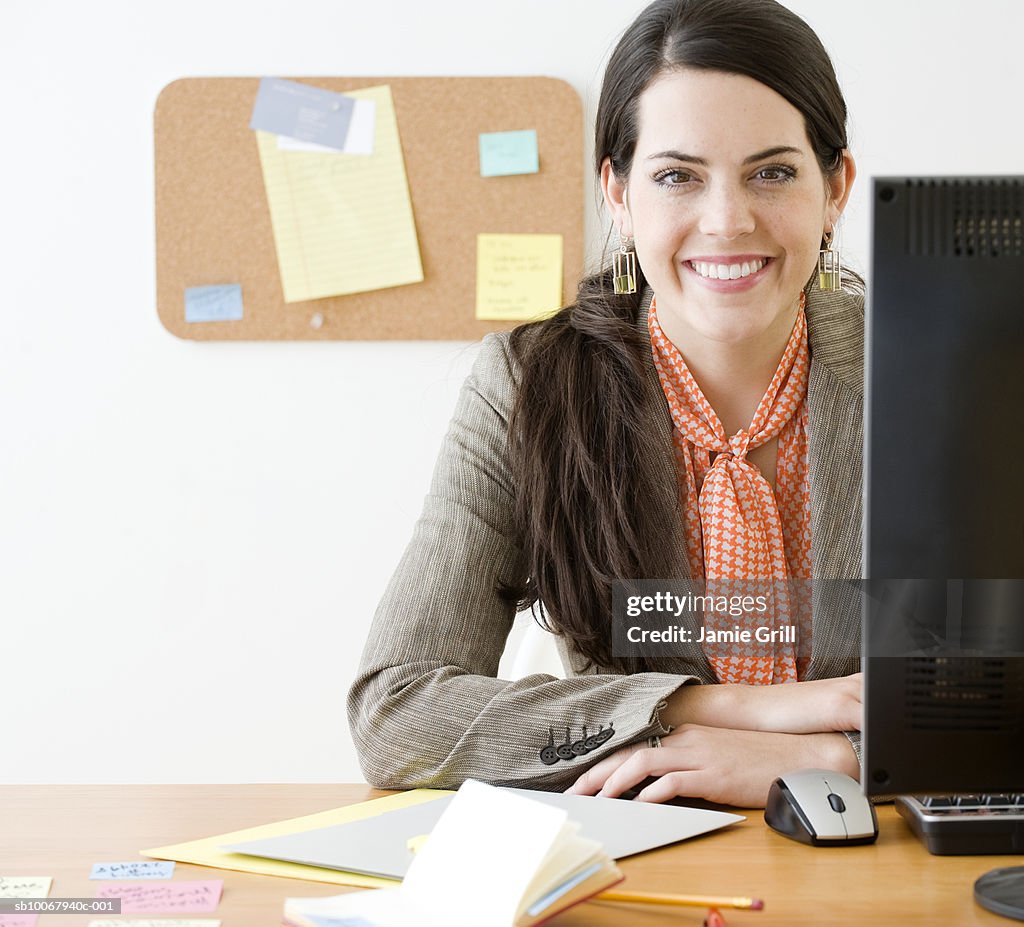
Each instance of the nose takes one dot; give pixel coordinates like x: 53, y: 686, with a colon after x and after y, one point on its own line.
x: 726, y: 212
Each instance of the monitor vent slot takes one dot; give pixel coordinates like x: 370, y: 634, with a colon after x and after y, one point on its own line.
x: 965, y: 218
x: 964, y: 694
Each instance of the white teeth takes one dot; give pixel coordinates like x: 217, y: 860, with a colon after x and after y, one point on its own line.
x: 727, y: 271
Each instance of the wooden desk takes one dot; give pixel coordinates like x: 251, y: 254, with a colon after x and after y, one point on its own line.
x: 61, y: 830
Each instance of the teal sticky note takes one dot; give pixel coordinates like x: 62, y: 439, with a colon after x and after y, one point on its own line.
x: 213, y: 303
x: 504, y: 153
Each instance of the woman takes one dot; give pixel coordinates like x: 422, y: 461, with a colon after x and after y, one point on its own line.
x: 652, y: 434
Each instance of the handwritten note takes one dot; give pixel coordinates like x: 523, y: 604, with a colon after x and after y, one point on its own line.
x: 518, y: 276
x: 504, y: 153
x: 191, y: 897
x: 213, y: 303
x: 25, y: 886
x: 18, y: 920
x: 133, y: 869
x: 342, y: 225
x: 158, y: 922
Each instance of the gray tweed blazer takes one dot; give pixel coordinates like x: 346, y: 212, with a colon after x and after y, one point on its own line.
x: 426, y: 708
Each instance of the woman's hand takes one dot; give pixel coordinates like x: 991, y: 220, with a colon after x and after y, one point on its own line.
x: 727, y: 766
x: 792, y: 708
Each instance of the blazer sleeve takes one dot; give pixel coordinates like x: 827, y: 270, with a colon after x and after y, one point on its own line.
x: 426, y: 708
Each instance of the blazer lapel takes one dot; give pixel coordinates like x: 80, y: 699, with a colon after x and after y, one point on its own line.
x: 835, y: 405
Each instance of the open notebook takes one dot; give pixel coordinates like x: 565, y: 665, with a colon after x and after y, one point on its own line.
x: 493, y: 857
x: 378, y: 845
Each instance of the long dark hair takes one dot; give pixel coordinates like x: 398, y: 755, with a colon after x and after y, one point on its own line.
x: 588, y: 504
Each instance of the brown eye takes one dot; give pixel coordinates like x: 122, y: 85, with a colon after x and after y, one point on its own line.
x: 778, y: 173
x: 673, y: 177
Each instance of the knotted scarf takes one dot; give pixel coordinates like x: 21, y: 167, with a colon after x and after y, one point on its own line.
x: 743, y: 537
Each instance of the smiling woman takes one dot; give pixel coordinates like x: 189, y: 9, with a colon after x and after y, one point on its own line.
x: 697, y: 420
x: 727, y: 239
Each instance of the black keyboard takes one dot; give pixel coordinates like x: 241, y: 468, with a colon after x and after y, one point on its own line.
x: 963, y: 825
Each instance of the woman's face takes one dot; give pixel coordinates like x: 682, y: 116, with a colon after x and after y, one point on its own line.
x: 726, y: 203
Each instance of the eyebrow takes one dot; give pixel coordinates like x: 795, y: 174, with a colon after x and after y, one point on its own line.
x: 693, y: 159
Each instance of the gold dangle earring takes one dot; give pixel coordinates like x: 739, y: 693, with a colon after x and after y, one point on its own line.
x: 624, y: 268
x: 830, y: 271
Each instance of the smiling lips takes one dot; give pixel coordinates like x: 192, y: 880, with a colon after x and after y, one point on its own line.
x: 718, y: 270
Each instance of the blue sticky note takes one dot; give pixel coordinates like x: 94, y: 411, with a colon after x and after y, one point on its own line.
x: 310, y: 114
x: 504, y: 153
x: 213, y: 303
x: 133, y: 869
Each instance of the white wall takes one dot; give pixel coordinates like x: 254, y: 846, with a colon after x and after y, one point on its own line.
x: 193, y: 536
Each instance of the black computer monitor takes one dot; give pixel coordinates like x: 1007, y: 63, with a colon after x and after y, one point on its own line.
x: 944, y: 487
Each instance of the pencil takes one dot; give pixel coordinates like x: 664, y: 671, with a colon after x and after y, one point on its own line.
x: 691, y: 901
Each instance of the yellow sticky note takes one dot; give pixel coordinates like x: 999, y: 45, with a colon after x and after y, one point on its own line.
x: 518, y: 276
x: 342, y: 223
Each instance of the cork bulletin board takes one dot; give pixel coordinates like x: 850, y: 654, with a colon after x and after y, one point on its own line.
x: 213, y: 221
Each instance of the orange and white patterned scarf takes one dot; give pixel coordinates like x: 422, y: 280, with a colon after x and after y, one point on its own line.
x: 741, y: 535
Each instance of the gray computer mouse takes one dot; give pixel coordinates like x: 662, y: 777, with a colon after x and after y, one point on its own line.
x: 821, y: 807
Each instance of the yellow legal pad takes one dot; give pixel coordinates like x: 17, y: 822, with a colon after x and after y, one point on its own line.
x: 207, y: 852
x: 342, y: 223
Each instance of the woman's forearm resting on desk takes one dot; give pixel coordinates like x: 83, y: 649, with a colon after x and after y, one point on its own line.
x: 723, y: 746
x: 794, y: 708
x: 423, y: 725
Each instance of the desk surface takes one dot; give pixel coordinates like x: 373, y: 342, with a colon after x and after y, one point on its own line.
x: 61, y: 830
